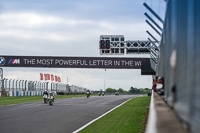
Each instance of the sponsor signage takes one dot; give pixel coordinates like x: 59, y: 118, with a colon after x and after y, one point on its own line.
x: 2, y: 60
x: 73, y: 62
x: 14, y: 61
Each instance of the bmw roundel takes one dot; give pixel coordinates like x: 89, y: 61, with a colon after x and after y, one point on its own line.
x: 2, y: 60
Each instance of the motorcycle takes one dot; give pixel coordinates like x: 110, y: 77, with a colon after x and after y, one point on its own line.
x: 116, y: 93
x: 88, y: 94
x: 45, y: 98
x: 51, y: 100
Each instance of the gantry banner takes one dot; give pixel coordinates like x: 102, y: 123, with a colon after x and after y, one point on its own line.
x: 74, y: 62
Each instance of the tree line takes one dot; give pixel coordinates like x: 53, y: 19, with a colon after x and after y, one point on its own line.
x: 133, y: 90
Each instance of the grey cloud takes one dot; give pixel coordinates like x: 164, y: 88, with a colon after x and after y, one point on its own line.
x: 71, y: 28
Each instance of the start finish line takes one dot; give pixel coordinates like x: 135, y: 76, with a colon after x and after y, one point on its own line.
x: 77, y: 62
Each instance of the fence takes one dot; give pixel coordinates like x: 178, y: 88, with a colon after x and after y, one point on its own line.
x: 179, y: 60
x: 15, y: 87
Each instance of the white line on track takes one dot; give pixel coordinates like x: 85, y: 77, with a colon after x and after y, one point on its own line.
x: 99, y: 117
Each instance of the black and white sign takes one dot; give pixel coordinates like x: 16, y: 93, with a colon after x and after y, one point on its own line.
x: 78, y: 62
x: 74, y: 62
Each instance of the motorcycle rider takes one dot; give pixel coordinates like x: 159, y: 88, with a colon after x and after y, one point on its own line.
x: 88, y: 93
x: 117, y: 93
x: 51, y: 94
x: 45, y: 96
x: 45, y: 92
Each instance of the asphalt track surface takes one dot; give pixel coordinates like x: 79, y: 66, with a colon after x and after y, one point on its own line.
x: 65, y: 116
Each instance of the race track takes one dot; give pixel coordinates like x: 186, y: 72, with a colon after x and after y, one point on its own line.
x: 65, y: 116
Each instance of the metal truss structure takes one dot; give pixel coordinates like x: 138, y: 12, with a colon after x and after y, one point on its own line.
x: 116, y: 45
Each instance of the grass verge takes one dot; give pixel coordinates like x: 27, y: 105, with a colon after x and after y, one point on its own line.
x: 128, y: 118
x: 24, y: 99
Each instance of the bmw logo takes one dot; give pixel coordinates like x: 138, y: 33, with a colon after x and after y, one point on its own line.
x: 2, y: 60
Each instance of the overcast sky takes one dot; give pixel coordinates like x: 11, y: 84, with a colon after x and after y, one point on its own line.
x: 73, y: 28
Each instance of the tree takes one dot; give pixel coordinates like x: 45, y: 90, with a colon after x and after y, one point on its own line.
x: 133, y: 90
x: 114, y: 90
x: 125, y: 91
x: 109, y: 90
x: 120, y: 90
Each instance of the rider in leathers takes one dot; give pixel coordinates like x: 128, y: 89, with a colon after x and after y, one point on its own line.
x: 45, y: 92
